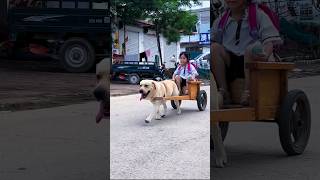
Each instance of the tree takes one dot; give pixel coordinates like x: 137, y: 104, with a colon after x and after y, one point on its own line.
x: 168, y: 17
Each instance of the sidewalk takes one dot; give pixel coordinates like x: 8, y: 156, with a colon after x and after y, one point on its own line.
x: 119, y: 89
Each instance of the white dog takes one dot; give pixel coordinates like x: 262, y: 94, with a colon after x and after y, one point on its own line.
x: 102, y: 90
x: 155, y: 91
x: 219, y: 150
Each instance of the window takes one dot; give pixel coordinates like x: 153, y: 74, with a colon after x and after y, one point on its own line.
x: 53, y: 4
x: 68, y: 4
x: 26, y: 3
x: 207, y: 57
x: 99, y: 4
x: 82, y: 4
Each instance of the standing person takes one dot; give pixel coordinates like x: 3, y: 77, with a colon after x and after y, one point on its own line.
x: 236, y: 40
x: 184, y: 73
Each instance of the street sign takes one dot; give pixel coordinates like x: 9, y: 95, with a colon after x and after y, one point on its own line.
x: 204, y: 38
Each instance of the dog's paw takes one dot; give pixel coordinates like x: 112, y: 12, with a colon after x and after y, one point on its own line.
x: 221, y: 162
x: 147, y: 121
x: 179, y: 112
x: 220, y: 159
x: 158, y: 117
x: 163, y: 115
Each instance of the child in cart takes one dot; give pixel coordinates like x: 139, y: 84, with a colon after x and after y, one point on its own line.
x: 245, y: 32
x: 184, y: 73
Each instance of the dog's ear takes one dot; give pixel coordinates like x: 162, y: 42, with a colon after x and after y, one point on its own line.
x: 154, y: 84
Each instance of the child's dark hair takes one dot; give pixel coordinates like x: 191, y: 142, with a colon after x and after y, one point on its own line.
x: 185, y: 54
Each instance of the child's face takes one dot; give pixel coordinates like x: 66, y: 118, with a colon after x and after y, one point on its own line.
x: 183, y: 59
x: 235, y: 4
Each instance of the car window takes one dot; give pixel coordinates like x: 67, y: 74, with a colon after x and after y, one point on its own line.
x: 206, y: 57
x: 68, y: 4
x: 100, y: 4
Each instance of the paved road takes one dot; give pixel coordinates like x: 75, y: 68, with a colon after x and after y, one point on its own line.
x: 174, y: 147
x: 255, y: 152
x: 62, y: 143
x: 34, y: 84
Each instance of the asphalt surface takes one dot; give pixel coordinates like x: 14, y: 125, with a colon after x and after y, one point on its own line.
x: 62, y: 143
x: 176, y: 147
x: 254, y: 150
x: 39, y: 83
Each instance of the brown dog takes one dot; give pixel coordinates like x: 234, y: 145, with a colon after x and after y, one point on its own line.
x: 102, y: 90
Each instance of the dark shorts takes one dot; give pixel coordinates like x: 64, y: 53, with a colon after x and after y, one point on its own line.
x: 236, y: 68
x: 183, y: 82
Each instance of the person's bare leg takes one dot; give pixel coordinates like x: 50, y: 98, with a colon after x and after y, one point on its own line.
x: 186, y: 88
x: 178, y: 82
x: 247, y: 59
x: 219, y: 61
x: 220, y: 58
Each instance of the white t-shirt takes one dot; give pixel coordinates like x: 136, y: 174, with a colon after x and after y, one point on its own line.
x: 185, y: 73
x: 266, y: 31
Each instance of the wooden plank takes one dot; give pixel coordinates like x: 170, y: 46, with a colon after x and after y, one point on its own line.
x: 177, y: 98
x: 269, y: 93
x: 283, y: 84
x: 193, y: 90
x: 195, y: 82
x: 233, y: 115
x: 267, y: 112
x: 254, y: 83
x: 231, y: 106
x: 270, y: 65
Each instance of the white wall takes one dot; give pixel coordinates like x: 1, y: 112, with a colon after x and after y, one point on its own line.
x: 169, y: 51
x: 130, y: 30
x: 147, y: 41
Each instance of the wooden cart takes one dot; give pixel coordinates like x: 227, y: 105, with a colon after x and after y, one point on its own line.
x: 270, y: 101
x: 194, y: 94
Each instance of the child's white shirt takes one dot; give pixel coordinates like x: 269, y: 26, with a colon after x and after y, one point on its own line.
x: 266, y: 30
x: 184, y: 73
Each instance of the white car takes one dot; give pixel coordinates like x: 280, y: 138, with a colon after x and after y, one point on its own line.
x: 202, y: 61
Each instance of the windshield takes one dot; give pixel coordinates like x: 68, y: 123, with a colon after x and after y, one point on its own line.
x: 197, y: 57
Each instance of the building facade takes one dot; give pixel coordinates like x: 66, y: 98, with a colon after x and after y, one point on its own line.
x: 199, y: 42
x: 139, y: 43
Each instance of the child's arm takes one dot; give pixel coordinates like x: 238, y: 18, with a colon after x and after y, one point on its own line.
x: 268, y: 50
x: 261, y: 52
x: 268, y: 33
x: 194, y: 73
x: 214, y: 30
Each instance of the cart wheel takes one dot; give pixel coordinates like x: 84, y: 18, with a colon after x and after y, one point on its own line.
x: 294, y: 122
x: 224, y: 126
x: 134, y: 79
x: 202, y: 100
x: 174, y: 104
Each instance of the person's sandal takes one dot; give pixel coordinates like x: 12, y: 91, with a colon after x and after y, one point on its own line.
x: 245, y: 98
x: 226, y: 96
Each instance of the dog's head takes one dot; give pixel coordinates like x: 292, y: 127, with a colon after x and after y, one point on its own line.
x: 147, y: 89
x: 101, y: 91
